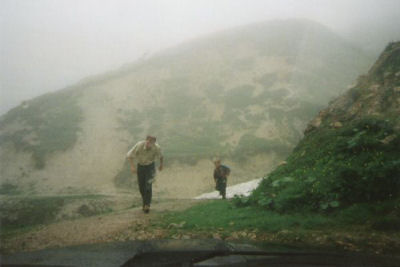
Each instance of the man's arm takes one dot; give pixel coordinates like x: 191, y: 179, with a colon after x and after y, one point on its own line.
x: 132, y: 163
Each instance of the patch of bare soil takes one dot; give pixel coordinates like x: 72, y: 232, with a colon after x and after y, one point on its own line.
x: 128, y: 224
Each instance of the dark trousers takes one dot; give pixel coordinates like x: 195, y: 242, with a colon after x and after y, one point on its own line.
x: 144, y: 174
x: 221, y: 186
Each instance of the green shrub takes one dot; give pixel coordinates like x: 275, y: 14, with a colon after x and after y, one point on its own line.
x: 332, y: 168
x: 356, y: 214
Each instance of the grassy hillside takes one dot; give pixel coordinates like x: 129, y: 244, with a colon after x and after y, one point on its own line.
x: 50, y: 124
x: 350, y: 154
x: 244, y: 94
x: 238, y: 79
x: 333, y: 168
x: 340, y: 187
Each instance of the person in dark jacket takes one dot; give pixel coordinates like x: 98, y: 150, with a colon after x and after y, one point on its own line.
x: 221, y: 173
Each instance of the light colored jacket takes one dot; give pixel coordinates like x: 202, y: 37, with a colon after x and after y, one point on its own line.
x: 144, y: 156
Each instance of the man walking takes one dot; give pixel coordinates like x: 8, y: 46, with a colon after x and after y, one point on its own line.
x: 145, y: 153
x: 221, y: 173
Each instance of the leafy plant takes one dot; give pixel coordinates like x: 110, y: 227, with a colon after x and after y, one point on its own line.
x: 333, y: 168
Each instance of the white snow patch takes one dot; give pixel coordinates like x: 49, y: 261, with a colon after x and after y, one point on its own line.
x: 243, y: 189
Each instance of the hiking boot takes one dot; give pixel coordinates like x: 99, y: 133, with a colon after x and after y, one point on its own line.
x: 146, y: 209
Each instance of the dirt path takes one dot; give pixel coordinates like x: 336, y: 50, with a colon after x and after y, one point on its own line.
x: 133, y: 224
x: 129, y: 224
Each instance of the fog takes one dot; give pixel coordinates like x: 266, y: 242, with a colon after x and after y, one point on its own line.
x: 47, y: 45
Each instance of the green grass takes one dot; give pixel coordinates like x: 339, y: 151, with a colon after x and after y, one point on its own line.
x: 224, y: 214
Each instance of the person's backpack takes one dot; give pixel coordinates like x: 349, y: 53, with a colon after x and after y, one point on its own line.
x: 226, y: 169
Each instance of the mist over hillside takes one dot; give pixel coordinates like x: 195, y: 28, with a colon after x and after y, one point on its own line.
x: 349, y: 156
x: 244, y: 94
x: 374, y: 35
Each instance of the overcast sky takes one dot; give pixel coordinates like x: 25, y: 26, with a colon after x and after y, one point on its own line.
x: 46, y: 45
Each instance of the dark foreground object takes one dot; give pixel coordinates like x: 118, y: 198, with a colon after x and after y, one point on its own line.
x: 189, y: 253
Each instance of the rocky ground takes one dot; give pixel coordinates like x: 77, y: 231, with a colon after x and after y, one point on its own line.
x: 133, y: 224
x: 128, y: 224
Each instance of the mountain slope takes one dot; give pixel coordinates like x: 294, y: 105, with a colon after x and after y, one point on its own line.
x: 244, y: 94
x: 351, y: 150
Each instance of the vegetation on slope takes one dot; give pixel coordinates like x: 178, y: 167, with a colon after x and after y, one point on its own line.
x: 51, y: 124
x: 333, y: 168
x: 342, y: 177
x: 201, y: 75
x: 24, y: 213
x: 358, y: 228
x: 352, y: 156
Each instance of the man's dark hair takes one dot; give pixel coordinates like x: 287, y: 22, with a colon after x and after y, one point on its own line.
x: 151, y: 138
